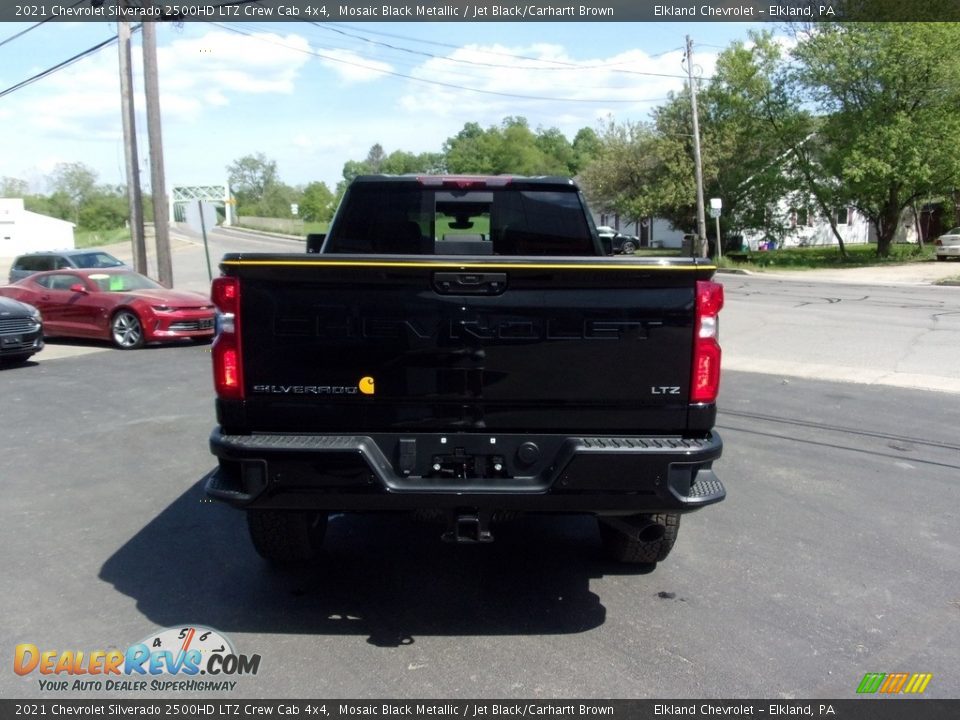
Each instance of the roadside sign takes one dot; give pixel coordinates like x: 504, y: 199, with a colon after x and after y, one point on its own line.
x: 193, y: 211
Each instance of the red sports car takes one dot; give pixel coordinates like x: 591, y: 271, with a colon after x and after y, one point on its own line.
x: 114, y: 304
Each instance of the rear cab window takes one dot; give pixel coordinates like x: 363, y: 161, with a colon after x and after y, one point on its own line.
x: 415, y: 218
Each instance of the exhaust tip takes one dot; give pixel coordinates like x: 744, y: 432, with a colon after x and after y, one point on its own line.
x: 652, y: 532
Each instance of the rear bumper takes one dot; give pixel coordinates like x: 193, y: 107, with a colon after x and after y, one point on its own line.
x: 526, y: 473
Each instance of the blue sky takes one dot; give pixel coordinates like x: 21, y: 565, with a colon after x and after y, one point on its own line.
x: 312, y: 97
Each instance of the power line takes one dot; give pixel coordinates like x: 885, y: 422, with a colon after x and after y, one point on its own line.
x: 33, y: 27
x: 59, y: 66
x: 449, y: 60
x: 512, y: 56
x: 434, y: 82
x: 328, y: 45
x: 558, y: 64
x: 24, y: 32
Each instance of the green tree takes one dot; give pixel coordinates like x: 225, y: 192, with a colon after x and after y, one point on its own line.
x: 316, y: 203
x: 754, y: 133
x: 251, y: 177
x: 517, y: 150
x: 557, y: 151
x: 623, y: 174
x: 375, y: 159
x: 586, y: 147
x: 57, y: 204
x: 72, y: 185
x: 887, y: 95
x: 472, y: 150
x: 400, y: 162
x: 510, y: 147
x: 276, y: 202
x: 748, y: 129
x: 11, y: 187
x: 354, y: 168
x: 105, y: 209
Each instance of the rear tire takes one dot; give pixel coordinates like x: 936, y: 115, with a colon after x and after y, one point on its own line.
x: 941, y: 257
x: 286, y: 537
x: 643, y: 544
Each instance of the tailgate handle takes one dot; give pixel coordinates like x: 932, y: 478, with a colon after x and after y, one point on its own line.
x: 469, y: 283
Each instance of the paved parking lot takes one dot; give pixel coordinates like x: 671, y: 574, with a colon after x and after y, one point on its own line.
x: 835, y: 554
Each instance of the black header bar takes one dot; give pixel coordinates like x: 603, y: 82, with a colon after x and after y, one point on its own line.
x: 777, y: 11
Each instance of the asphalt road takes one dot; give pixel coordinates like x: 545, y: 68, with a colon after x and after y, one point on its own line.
x: 835, y: 554
x: 888, y: 335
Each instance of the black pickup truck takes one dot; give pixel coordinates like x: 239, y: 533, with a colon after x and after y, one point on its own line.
x: 463, y: 348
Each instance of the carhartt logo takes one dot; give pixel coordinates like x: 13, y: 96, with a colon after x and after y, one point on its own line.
x: 894, y: 683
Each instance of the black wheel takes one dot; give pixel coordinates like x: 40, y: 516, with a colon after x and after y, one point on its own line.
x: 126, y: 331
x: 286, y: 537
x: 628, y: 248
x: 640, y: 539
x: 941, y: 257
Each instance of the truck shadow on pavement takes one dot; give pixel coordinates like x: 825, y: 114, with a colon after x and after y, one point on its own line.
x: 388, y: 577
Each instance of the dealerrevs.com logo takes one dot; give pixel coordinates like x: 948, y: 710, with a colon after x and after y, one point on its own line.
x: 183, y: 658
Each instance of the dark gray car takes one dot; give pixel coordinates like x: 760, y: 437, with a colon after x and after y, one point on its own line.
x: 31, y: 263
x: 21, y: 330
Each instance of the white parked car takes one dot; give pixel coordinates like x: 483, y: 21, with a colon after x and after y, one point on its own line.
x: 948, y: 244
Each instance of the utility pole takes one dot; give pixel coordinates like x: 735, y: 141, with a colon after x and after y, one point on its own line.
x: 161, y: 217
x: 134, y: 195
x: 698, y: 164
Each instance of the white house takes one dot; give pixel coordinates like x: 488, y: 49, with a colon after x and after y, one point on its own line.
x: 22, y: 231
x: 802, y: 228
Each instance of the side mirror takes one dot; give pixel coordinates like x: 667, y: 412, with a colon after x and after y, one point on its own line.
x: 315, y: 242
x: 78, y: 288
x: 606, y: 242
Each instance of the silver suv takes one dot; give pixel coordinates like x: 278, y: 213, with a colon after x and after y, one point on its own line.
x: 30, y: 263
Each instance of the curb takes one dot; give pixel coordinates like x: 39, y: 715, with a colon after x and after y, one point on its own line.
x: 265, y: 233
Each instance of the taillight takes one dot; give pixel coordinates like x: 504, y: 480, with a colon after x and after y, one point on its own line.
x: 705, y: 380
x: 227, y: 360
x: 225, y: 293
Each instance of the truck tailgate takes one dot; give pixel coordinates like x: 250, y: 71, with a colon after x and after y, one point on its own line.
x: 361, y: 344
